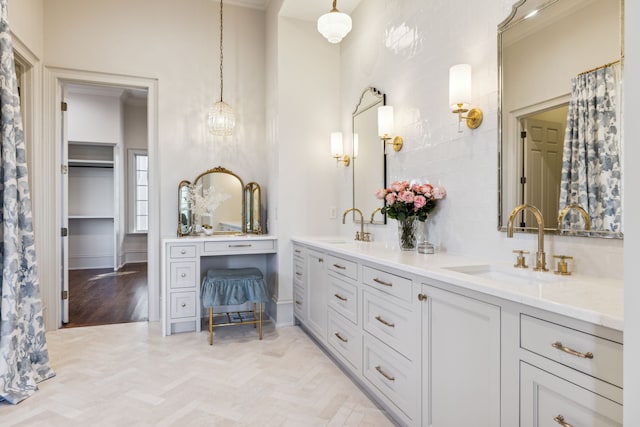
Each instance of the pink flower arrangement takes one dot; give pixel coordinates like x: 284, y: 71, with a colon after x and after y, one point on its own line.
x: 404, y: 200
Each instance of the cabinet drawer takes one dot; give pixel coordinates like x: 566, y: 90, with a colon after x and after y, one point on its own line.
x: 298, y: 253
x: 240, y: 245
x: 392, y: 375
x: 559, y: 343
x: 343, y: 266
x: 345, y: 338
x: 298, y: 271
x: 298, y: 302
x: 183, y: 304
x: 183, y: 274
x: 393, y: 324
x: 387, y: 282
x: 182, y: 251
x: 544, y: 398
x: 343, y: 298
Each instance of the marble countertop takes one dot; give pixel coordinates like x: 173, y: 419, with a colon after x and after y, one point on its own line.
x: 592, y: 299
x: 217, y: 238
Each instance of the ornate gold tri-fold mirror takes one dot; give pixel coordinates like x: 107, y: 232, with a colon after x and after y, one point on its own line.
x: 216, y: 203
x: 369, y: 160
x: 560, y: 87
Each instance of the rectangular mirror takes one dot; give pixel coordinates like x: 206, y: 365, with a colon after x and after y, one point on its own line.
x: 369, y: 160
x: 556, y: 57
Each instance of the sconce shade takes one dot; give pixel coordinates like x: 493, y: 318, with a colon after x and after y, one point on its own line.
x: 460, y: 87
x: 385, y: 121
x: 334, y: 25
x: 221, y: 120
x: 336, y: 144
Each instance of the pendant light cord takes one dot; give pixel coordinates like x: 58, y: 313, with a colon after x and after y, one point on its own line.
x: 221, y: 55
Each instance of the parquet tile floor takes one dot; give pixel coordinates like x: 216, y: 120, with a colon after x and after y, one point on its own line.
x: 130, y: 375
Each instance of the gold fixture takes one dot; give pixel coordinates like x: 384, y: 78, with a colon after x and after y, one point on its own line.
x: 558, y: 345
x: 337, y: 149
x: 335, y: 25
x: 422, y: 297
x: 385, y: 128
x: 560, y: 420
x: 373, y: 214
x: 221, y: 119
x: 562, y: 267
x: 361, y: 236
x: 541, y: 263
x: 521, y: 262
x: 566, y: 209
x: 460, y: 95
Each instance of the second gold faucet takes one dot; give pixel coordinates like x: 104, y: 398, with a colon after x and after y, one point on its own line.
x: 361, y: 235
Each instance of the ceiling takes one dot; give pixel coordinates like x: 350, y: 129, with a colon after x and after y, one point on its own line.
x: 307, y: 10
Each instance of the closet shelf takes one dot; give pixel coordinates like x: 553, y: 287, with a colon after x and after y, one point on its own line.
x: 91, y: 163
x: 111, y: 217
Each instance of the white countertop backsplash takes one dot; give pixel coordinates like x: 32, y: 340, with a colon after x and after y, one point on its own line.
x: 593, y: 299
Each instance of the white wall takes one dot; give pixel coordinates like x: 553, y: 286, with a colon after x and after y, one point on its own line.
x: 26, y: 22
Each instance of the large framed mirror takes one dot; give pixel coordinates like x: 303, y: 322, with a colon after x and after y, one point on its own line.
x: 369, y: 160
x: 554, y: 57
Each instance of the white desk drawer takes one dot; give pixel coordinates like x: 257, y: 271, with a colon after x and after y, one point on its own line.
x: 595, y: 356
x: 182, y: 251
x: 391, y: 323
x: 183, y: 305
x: 343, y: 298
x: 343, y: 266
x: 183, y: 274
x: 392, y: 375
x: 240, y: 245
x: 345, y: 338
x: 389, y: 283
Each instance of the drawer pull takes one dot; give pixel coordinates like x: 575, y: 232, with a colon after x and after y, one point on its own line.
x: 183, y: 251
x: 183, y: 275
x: 183, y: 305
x: 340, y: 297
x: 560, y: 420
x: 341, y: 267
x: 298, y: 274
x: 340, y: 337
x: 245, y: 245
x: 384, y: 374
x: 422, y: 297
x: 384, y: 322
x: 297, y: 251
x: 298, y: 302
x: 571, y: 351
x: 382, y: 282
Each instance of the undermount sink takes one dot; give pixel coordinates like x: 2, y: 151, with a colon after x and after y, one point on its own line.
x: 503, y: 274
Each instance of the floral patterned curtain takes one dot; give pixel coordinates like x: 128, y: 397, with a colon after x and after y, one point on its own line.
x: 24, y: 359
x: 591, y: 172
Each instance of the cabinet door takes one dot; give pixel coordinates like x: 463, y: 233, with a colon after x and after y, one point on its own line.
x: 317, y: 294
x: 461, y: 360
x: 548, y: 400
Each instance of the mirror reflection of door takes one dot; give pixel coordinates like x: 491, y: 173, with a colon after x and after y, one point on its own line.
x: 543, y: 140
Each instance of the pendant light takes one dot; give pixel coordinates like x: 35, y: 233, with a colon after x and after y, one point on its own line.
x: 334, y: 25
x: 221, y: 119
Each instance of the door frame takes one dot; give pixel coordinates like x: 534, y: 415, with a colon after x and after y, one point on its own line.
x: 49, y: 150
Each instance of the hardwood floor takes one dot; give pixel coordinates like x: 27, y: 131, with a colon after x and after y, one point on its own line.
x: 130, y: 375
x: 104, y: 296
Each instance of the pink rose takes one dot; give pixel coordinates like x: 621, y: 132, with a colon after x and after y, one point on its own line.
x: 426, y: 189
x: 381, y: 193
x: 406, y: 196
x: 415, y: 188
x: 390, y: 198
x: 419, y: 201
x: 439, y: 192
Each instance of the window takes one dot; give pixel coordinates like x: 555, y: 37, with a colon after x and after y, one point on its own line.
x: 139, y: 191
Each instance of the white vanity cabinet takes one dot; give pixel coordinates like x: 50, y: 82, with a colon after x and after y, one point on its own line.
x: 317, y: 294
x: 460, y: 359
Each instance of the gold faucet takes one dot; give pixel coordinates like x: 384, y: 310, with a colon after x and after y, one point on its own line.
x: 360, y: 236
x: 541, y: 263
x: 566, y: 209
x: 373, y: 214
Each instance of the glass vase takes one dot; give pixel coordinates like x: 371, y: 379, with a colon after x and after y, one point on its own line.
x: 423, y: 244
x: 407, y: 233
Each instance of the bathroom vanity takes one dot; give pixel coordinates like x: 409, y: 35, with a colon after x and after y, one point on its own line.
x: 445, y: 340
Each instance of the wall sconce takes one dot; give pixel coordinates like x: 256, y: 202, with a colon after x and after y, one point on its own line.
x: 460, y: 96
x: 385, y: 127
x: 337, y: 149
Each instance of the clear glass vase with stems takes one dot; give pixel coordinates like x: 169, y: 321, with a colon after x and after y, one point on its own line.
x: 423, y: 244
x: 407, y: 233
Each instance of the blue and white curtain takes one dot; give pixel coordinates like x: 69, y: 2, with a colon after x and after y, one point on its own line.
x: 591, y: 170
x: 24, y: 359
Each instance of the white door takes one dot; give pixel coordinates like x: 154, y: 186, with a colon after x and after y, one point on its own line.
x: 64, y: 168
x: 543, y: 168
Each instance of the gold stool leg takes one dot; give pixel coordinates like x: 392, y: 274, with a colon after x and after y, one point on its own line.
x: 254, y: 315
x: 210, y: 325
x: 260, y: 328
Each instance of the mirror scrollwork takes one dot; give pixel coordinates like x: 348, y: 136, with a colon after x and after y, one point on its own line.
x: 550, y: 53
x: 216, y: 203
x: 369, y: 159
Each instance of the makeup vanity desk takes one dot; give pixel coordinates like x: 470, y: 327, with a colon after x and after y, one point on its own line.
x: 185, y: 261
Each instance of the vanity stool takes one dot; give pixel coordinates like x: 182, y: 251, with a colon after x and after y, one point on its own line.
x: 233, y: 286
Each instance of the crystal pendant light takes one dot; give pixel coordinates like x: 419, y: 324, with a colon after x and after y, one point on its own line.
x: 221, y: 119
x: 334, y: 25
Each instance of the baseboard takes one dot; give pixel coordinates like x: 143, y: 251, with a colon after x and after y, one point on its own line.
x: 281, y: 312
